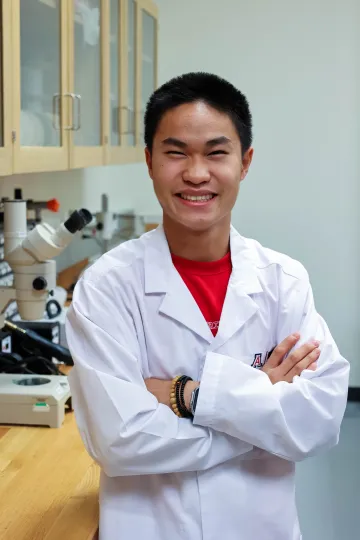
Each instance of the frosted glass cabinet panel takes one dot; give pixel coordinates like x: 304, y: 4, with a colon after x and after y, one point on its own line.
x: 131, y: 104
x: 40, y: 66
x: 115, y: 66
x: 87, y: 73
x: 148, y: 59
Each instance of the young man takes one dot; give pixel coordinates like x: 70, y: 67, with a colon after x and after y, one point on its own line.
x: 212, y: 457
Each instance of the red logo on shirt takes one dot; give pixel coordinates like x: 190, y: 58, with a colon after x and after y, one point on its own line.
x: 258, y: 363
x: 213, y: 325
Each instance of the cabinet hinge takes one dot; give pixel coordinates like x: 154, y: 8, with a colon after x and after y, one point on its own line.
x: 13, y: 135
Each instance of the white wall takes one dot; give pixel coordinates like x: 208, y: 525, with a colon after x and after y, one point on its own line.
x: 298, y: 63
x: 82, y: 187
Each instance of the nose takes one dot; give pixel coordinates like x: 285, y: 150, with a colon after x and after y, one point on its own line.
x: 196, y: 172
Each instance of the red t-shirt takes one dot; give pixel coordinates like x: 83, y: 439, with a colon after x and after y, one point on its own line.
x: 207, y: 282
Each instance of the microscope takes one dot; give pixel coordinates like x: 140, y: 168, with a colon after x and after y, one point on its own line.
x: 33, y: 399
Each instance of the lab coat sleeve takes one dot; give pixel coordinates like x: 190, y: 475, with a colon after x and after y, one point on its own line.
x: 292, y: 420
x: 123, y: 427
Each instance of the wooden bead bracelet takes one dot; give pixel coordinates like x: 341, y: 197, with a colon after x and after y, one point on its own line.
x: 177, y: 400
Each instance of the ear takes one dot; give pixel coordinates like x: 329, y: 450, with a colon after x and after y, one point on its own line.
x: 148, y: 159
x: 246, y: 162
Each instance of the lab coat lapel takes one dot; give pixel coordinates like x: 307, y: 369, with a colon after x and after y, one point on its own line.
x: 239, y: 306
x: 162, y: 277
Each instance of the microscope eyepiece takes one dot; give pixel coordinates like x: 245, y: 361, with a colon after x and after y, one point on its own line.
x: 78, y: 220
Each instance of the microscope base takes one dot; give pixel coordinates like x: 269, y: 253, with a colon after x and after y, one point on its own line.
x: 37, y: 400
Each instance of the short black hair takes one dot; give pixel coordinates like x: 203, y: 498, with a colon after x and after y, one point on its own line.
x: 205, y: 87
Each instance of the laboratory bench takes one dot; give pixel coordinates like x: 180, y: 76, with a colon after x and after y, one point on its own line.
x: 48, y: 484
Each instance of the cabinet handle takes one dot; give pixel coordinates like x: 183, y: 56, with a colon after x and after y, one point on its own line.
x: 74, y: 97
x: 77, y: 98
x: 55, y: 111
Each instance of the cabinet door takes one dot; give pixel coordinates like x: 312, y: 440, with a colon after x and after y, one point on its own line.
x: 115, y: 76
x: 147, y: 58
x: 39, y: 30
x: 5, y: 89
x: 128, y: 84
x: 87, y: 73
x: 140, y: 75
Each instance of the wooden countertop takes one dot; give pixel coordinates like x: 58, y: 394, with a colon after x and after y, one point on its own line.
x: 48, y: 484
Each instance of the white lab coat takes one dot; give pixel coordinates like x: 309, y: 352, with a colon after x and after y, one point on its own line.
x: 230, y: 473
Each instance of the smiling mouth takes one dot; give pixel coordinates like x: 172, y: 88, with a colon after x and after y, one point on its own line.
x: 196, y: 198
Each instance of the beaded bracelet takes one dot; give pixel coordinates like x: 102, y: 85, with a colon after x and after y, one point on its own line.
x: 179, y: 390
x: 185, y: 413
x: 173, y: 396
x: 177, y: 400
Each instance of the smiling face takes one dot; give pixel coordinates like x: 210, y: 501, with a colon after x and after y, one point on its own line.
x: 196, y: 165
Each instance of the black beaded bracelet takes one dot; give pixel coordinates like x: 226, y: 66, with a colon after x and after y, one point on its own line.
x: 184, y: 410
x: 179, y: 396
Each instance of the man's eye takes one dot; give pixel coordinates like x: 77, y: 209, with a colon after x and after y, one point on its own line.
x: 175, y: 153
x: 218, y: 153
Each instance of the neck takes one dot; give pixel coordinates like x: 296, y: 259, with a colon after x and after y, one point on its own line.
x: 209, y: 245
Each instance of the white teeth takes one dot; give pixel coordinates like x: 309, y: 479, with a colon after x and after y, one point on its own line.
x: 194, y: 198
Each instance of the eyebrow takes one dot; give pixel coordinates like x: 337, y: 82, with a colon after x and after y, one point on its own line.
x: 217, y: 141
x: 172, y: 141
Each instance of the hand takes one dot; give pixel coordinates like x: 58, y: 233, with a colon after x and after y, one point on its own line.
x: 305, y: 357
x: 162, y: 389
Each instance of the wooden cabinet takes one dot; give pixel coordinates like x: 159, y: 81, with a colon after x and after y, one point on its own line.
x: 78, y: 74
x: 40, y: 85
x: 5, y: 89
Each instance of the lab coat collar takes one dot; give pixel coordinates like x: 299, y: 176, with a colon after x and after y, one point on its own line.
x: 178, y: 303
x: 239, y: 305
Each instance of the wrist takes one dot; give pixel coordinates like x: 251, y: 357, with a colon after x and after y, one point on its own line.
x: 189, y: 388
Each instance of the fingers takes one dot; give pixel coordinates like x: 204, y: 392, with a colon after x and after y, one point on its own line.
x: 297, y: 356
x: 309, y: 362
x: 282, y: 350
